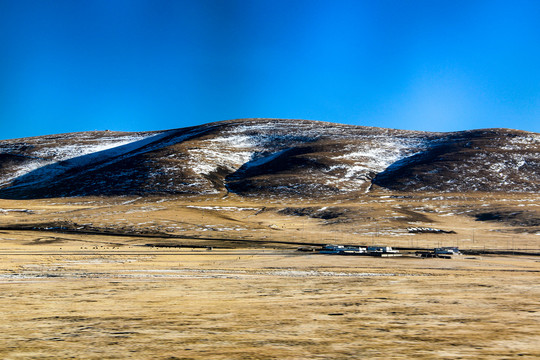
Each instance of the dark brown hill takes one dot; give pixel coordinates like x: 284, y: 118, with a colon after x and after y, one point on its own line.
x: 269, y: 157
x: 480, y: 160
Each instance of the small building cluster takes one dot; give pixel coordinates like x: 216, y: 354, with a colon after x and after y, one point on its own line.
x: 381, y: 251
x: 375, y: 250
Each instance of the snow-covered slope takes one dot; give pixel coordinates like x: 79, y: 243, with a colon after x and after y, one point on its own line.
x: 268, y: 157
x: 480, y: 160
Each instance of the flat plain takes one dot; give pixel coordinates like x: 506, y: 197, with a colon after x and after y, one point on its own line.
x: 104, y: 278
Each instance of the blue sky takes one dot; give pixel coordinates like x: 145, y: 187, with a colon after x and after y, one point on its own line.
x: 76, y: 65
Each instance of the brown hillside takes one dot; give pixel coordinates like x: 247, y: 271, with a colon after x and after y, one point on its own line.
x: 269, y: 157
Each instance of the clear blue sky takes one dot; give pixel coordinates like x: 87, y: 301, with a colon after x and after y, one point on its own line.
x: 75, y: 65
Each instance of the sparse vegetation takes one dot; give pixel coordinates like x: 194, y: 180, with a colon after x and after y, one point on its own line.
x: 182, y: 244
x: 269, y: 158
x: 91, y: 300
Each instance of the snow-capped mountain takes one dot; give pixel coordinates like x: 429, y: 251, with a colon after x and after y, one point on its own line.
x: 269, y: 157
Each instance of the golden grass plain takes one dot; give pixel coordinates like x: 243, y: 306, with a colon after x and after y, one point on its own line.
x: 84, y: 296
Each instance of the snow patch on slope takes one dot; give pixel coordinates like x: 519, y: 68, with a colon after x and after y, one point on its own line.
x: 52, y: 161
x: 248, y: 145
x: 379, y: 154
x: 361, y: 162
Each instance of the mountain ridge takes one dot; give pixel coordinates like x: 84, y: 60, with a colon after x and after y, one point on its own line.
x: 269, y: 158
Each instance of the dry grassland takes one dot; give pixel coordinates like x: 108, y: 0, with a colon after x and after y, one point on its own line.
x: 233, y: 221
x: 75, y: 295
x: 263, y: 304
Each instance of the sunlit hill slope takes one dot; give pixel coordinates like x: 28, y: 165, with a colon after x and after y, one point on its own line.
x: 269, y: 158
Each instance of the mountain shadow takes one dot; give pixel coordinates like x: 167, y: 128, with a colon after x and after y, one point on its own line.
x: 115, y: 171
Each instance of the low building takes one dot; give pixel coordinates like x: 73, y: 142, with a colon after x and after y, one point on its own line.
x: 447, y: 251
x: 381, y: 249
x: 342, y: 249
